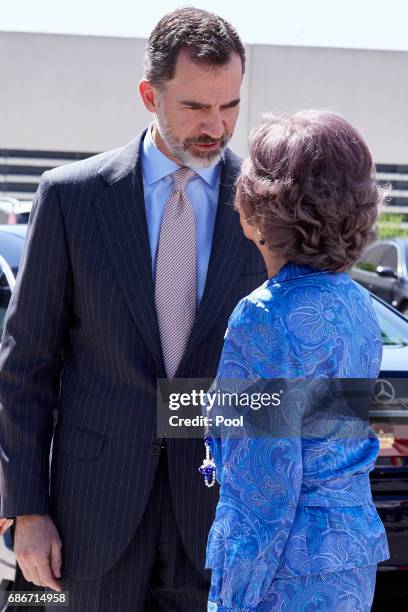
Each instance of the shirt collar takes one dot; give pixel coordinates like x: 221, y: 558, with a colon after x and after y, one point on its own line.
x: 291, y: 271
x: 156, y: 165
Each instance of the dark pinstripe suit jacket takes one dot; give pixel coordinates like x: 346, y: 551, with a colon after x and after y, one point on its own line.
x: 81, y: 336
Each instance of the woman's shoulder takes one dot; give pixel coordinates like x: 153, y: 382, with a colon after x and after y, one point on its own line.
x: 250, y: 307
x: 300, y: 295
x: 279, y: 289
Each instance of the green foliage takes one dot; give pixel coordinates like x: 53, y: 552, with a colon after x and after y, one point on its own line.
x: 389, y: 226
x: 391, y: 218
x: 385, y: 231
x: 365, y: 265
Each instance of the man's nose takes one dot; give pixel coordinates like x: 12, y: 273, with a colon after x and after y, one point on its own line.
x: 213, y: 127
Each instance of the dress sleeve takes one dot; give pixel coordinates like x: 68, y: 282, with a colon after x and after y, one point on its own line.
x: 260, y: 471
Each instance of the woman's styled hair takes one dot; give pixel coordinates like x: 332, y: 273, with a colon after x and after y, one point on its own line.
x: 207, y: 38
x: 309, y: 185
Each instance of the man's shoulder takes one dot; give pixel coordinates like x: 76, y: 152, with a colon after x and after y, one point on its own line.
x: 87, y: 167
x: 87, y: 170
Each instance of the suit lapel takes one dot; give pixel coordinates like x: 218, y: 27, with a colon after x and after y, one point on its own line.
x: 122, y: 218
x: 229, y: 251
x: 121, y: 214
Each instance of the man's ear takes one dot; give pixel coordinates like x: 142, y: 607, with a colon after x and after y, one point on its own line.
x: 148, y: 94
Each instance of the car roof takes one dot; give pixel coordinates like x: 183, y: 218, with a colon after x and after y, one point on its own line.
x: 17, y: 229
x: 401, y: 241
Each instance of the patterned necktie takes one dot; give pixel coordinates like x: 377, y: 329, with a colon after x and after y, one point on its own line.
x: 176, y: 275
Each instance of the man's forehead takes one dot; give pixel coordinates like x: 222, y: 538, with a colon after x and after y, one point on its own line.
x: 186, y: 65
x: 205, y: 85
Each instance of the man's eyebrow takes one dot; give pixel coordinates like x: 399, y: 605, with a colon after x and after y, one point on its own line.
x: 231, y: 104
x: 198, y: 105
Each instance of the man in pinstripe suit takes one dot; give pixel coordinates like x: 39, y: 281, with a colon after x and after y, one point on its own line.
x: 121, y: 518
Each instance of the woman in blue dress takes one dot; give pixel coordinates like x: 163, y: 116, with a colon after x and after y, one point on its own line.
x: 295, y: 527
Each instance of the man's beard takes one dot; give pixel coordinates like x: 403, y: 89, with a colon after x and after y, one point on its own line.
x: 181, y: 150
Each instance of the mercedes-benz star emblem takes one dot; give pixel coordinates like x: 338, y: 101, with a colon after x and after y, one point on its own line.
x: 384, y: 392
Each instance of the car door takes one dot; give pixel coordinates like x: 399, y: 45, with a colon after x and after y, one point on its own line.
x: 7, y: 282
x: 385, y: 286
x: 364, y: 272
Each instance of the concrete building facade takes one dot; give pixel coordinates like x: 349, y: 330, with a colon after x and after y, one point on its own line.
x: 64, y: 97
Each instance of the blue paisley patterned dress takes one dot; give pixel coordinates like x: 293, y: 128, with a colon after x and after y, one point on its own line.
x: 295, y: 526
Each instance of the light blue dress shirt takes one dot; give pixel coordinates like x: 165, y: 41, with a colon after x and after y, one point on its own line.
x: 202, y: 190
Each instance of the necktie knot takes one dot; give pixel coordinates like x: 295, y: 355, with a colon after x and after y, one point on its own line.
x: 181, y: 178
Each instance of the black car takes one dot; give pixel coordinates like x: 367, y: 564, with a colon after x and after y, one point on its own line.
x: 11, y: 248
x: 383, y: 270
x: 389, y: 419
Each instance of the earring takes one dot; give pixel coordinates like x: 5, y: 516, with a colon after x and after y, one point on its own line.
x: 262, y: 241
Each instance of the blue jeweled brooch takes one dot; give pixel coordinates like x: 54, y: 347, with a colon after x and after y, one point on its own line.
x: 207, y: 469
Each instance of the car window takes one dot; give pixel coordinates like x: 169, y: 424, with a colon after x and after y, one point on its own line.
x: 5, y: 295
x: 372, y: 257
x: 394, y: 329
x: 390, y: 258
x: 12, y: 244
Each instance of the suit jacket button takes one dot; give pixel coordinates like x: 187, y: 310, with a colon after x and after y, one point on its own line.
x: 155, y: 449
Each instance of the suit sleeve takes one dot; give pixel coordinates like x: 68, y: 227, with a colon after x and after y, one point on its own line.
x: 260, y: 472
x: 31, y: 358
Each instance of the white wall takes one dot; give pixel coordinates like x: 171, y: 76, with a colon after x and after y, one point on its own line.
x: 79, y: 93
x: 370, y: 88
x: 69, y: 92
